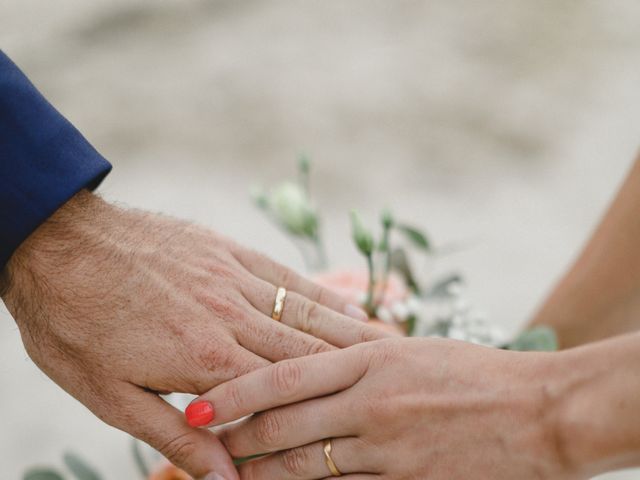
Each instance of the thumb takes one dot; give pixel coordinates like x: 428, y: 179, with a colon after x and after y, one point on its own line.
x: 199, y: 452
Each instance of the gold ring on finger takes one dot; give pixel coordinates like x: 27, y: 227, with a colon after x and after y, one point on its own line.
x: 278, y: 305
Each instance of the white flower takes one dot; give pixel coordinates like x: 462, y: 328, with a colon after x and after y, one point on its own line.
x: 384, y: 314
x: 400, y: 311
x: 291, y: 206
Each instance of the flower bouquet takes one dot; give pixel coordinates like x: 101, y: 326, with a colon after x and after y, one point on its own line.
x: 393, y: 287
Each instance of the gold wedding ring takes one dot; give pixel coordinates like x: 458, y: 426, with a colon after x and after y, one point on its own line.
x: 327, y: 457
x: 278, y: 305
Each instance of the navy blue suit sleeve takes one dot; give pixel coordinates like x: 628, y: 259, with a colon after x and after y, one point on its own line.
x: 44, y: 160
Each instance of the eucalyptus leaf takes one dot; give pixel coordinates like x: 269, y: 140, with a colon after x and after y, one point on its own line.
x: 42, y: 474
x: 540, y: 339
x: 415, y: 236
x: 79, y: 467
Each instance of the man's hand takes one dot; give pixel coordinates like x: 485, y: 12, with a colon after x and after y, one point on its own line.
x: 117, y: 306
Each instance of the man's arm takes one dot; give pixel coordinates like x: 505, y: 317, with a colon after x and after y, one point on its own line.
x: 44, y: 160
x: 600, y: 295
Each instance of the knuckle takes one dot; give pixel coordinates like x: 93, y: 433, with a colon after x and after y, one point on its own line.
x: 318, y: 346
x: 179, y: 449
x: 211, y: 357
x: 368, y: 334
x: 217, y: 358
x: 317, y: 293
x: 220, y: 305
x: 235, y: 397
x: 307, y: 312
x: 287, y: 376
x: 269, y: 430
x: 295, y: 461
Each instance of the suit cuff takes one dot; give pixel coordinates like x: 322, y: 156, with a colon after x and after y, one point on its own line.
x: 44, y: 160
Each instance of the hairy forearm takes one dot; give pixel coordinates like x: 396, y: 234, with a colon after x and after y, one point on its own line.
x: 600, y: 295
x: 598, y: 423
x: 65, y: 234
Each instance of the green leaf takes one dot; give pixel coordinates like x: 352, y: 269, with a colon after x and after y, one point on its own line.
x: 386, y: 219
x: 411, y: 325
x: 304, y: 164
x: 240, y: 461
x: 79, y: 467
x: 441, y: 288
x: 415, y: 236
x: 42, y: 474
x: 540, y: 339
x: 361, y: 235
x: 400, y: 264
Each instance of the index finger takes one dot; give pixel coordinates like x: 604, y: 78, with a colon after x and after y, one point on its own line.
x: 279, y: 384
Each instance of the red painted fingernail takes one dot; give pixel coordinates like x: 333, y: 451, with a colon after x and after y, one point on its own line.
x: 199, y: 414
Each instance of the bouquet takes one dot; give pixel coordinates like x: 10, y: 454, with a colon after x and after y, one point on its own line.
x: 393, y: 287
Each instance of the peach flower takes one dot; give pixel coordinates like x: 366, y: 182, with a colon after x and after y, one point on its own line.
x: 352, y: 286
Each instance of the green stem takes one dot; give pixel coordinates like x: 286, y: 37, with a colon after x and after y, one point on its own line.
x: 368, y: 305
x: 305, y: 181
x: 321, y: 252
x: 387, y: 264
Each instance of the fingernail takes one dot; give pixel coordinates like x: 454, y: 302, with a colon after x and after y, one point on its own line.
x: 199, y: 414
x: 213, y: 476
x: 356, y: 312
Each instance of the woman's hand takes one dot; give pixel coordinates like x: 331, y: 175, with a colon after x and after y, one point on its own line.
x: 118, y: 305
x: 396, y: 409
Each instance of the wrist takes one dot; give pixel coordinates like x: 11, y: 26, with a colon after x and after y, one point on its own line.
x: 48, y: 248
x: 595, y: 404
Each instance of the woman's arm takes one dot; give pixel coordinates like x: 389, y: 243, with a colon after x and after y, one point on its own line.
x: 600, y: 295
x: 437, y: 409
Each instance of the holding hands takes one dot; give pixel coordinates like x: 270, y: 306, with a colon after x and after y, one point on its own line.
x: 118, y: 305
